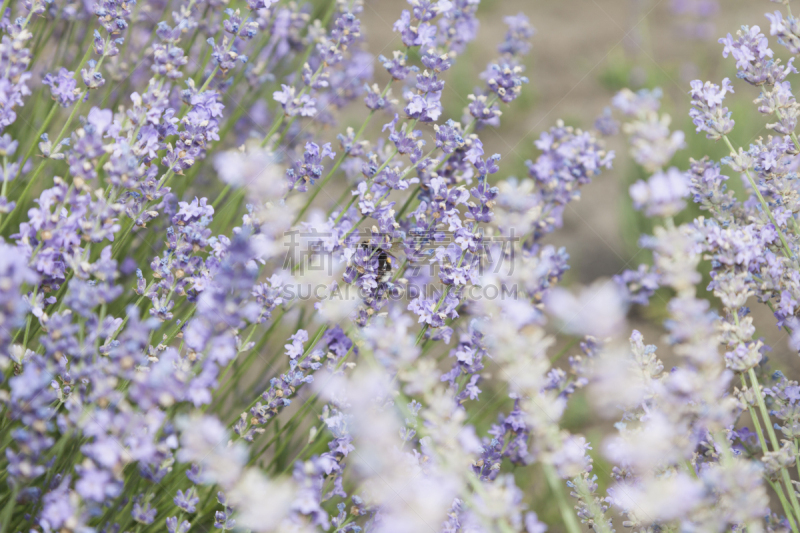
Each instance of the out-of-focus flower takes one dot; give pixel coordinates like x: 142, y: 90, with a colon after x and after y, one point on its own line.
x: 597, y: 310
x: 663, y: 194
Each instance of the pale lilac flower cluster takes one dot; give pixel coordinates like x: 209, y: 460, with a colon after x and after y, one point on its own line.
x: 684, y: 452
x: 663, y: 194
x: 653, y: 145
x: 696, y: 17
x: 754, y: 57
x: 570, y: 159
x: 708, y: 113
x: 786, y: 30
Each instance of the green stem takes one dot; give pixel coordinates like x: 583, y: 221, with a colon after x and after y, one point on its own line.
x: 317, y: 336
x: 8, y: 512
x: 795, y: 141
x: 275, y: 125
x: 785, y: 504
x: 48, y: 119
x: 763, y: 408
x: 570, y: 520
x: 756, y: 421
x: 564, y: 350
x: 407, y: 203
x: 210, y: 77
x: 777, y: 487
x: 71, y: 116
x: 286, y: 131
x: 220, y: 196
x: 774, y: 440
x: 226, y: 389
x: 339, y: 161
x: 796, y: 462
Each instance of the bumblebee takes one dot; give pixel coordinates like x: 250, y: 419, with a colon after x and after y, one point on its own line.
x: 386, y: 258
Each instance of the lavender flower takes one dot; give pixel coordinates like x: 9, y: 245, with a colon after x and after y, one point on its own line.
x: 518, y: 36
x: 641, y: 102
x: 505, y: 80
x: 606, y: 124
x: 569, y: 159
x: 63, y: 87
x: 305, y: 172
x: 581, y: 314
x: 708, y: 113
x: 652, y: 143
x: 16, y: 60
x: 301, y: 104
x: 640, y: 284
x: 754, y: 57
x: 786, y: 30
x: 14, y: 275
x: 663, y: 194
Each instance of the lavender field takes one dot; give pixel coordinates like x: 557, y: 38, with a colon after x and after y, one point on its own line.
x: 456, y: 266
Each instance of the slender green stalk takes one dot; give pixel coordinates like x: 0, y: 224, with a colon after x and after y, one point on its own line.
x: 4, y: 7
x: 8, y: 512
x: 774, y: 440
x: 787, y: 510
x: 285, y: 131
x: 564, y: 350
x: 407, y: 203
x: 338, y: 163
x: 317, y: 336
x: 23, y: 197
x: 796, y: 462
x: 756, y: 421
x: 234, y: 380
x: 763, y: 443
x: 567, y: 514
x: 48, y: 119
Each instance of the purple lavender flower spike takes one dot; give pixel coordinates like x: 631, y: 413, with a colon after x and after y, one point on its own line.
x: 754, y: 57
x: 63, y: 87
x: 302, y: 105
x: 633, y: 104
x: 505, y: 80
x: 606, y: 124
x: 640, y: 285
x: 518, y: 36
x: 708, y: 113
x: 306, y: 171
x: 663, y: 194
x: 787, y: 31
